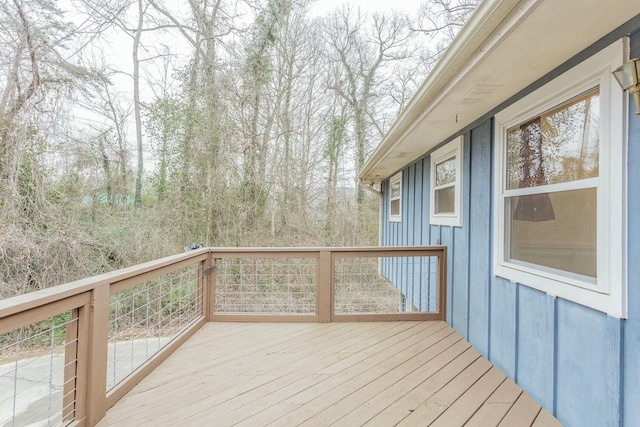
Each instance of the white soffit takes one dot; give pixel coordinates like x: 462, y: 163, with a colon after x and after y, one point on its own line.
x: 505, y: 46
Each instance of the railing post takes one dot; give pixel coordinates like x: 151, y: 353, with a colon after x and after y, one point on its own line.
x: 213, y: 264
x: 81, y: 395
x: 324, y: 287
x: 98, y: 339
x: 204, y: 286
x: 442, y: 284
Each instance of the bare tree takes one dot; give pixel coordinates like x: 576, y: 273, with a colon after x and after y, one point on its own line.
x: 357, y: 53
x: 136, y: 104
x: 440, y: 21
x: 260, y: 115
x: 35, y: 74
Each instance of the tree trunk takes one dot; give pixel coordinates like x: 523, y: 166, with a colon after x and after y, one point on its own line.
x: 136, y: 106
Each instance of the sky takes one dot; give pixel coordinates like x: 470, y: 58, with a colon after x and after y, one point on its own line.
x: 372, y: 5
x: 118, y: 51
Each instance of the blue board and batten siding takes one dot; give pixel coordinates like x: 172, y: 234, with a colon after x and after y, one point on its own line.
x: 416, y: 278
x: 630, y: 329
x: 579, y: 363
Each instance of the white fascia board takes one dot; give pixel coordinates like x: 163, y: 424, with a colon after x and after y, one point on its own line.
x: 505, y: 47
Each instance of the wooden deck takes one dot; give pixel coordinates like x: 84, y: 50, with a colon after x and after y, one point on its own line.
x: 339, y: 374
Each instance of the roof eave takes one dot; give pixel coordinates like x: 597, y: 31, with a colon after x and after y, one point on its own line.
x: 484, y: 21
x: 506, y: 47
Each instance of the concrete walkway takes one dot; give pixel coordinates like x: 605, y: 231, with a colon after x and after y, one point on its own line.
x: 36, y: 381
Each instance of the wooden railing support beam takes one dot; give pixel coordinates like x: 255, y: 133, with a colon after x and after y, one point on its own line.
x: 204, y: 287
x: 324, y: 287
x: 82, y: 352
x: 98, y: 340
x: 211, y: 283
x: 442, y: 284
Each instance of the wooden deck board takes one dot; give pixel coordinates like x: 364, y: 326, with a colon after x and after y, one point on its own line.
x: 384, y: 398
x: 327, y: 407
x: 545, y: 419
x: 523, y: 412
x: 252, y: 369
x: 292, y: 383
x: 340, y: 409
x: 342, y: 374
x: 407, y: 403
x: 464, y: 407
x: 495, y: 408
x: 343, y: 381
x: 428, y: 411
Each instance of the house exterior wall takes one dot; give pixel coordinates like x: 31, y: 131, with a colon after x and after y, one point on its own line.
x: 631, y: 326
x: 579, y: 363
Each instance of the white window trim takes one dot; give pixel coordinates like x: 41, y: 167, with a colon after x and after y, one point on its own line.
x: 396, y: 178
x: 608, y: 292
x: 451, y: 149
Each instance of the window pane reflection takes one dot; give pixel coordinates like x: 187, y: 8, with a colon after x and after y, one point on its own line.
x: 446, y: 172
x: 560, y: 145
x: 445, y: 200
x: 395, y: 189
x: 556, y: 230
x: 395, y: 207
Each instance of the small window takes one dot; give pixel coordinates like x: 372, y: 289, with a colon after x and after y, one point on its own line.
x: 559, y: 200
x: 395, y: 197
x: 446, y: 183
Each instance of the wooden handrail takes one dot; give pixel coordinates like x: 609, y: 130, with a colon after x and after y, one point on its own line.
x: 136, y: 274
x: 88, y: 300
x: 398, y: 251
x: 325, y: 258
x: 43, y: 297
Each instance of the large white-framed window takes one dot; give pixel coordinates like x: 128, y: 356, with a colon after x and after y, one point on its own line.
x: 395, y: 198
x: 446, y: 185
x: 560, y: 179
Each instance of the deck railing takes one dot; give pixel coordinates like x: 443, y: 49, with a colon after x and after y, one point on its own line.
x: 68, y: 353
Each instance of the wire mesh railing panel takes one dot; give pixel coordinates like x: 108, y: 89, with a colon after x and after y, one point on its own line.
x: 38, y: 373
x: 145, y: 318
x: 266, y: 285
x: 386, y: 285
